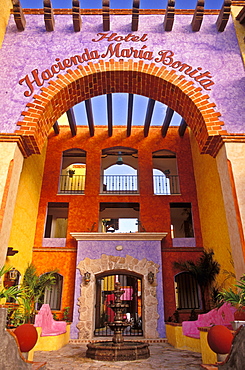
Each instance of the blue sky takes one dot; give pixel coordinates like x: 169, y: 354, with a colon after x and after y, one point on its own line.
x: 144, y: 4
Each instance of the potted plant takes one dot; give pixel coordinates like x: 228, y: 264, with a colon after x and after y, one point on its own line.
x: 66, y: 314
x: 204, y: 270
x: 71, y: 173
x: 236, y: 299
x: 33, y: 289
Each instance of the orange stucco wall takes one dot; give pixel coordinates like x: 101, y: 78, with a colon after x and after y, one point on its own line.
x: 150, y: 205
x: 84, y: 209
x: 65, y: 262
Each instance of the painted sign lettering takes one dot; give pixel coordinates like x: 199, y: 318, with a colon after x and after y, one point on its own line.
x: 114, y: 37
x: 165, y: 57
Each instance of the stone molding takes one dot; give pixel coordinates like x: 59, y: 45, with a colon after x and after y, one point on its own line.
x: 86, y: 301
x: 118, y: 236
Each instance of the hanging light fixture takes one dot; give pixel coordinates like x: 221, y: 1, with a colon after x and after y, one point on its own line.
x: 119, y: 159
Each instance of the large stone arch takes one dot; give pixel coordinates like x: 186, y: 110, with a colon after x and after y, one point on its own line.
x: 100, y: 78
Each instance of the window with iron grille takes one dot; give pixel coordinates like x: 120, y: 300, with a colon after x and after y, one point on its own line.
x: 52, y: 295
x: 187, y: 292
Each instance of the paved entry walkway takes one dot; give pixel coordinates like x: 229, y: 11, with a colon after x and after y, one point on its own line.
x: 163, y: 356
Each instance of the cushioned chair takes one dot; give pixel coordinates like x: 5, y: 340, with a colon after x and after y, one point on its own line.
x: 44, y: 319
x: 222, y: 316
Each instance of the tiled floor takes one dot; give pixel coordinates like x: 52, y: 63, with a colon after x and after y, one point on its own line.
x: 163, y: 356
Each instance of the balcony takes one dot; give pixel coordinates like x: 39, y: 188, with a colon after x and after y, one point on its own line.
x: 73, y: 184
x: 166, y: 185
x: 120, y: 184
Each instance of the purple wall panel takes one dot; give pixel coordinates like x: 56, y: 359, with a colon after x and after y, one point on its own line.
x: 34, y: 48
x: 151, y: 250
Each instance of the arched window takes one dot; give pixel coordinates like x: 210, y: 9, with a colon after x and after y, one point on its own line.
x: 73, y: 172
x: 119, y: 171
x: 52, y: 295
x: 165, y: 173
x: 161, y: 182
x: 187, y: 292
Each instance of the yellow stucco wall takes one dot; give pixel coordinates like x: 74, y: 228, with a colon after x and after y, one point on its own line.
x: 178, y: 340
x: 236, y: 155
x: 5, y: 6
x: 25, y: 213
x: 228, y: 169
x: 208, y: 356
x: 11, y: 161
x: 212, y: 212
x: 49, y: 343
x: 240, y: 30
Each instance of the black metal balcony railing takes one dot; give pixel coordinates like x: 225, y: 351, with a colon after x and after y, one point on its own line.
x: 120, y: 184
x: 166, y: 185
x: 74, y: 184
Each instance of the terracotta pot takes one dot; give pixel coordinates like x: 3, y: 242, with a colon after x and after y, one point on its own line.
x: 27, y: 337
x: 220, y: 339
x: 239, y: 314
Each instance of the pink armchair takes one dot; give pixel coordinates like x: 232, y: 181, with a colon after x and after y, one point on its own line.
x: 44, y: 319
x: 222, y: 316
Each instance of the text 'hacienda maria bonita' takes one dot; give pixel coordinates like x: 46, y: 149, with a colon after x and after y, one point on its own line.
x: 117, y: 50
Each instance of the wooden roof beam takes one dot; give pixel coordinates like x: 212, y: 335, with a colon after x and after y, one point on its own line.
x: 56, y: 128
x: 48, y: 15
x: 167, y: 120
x: 76, y: 17
x: 19, y: 17
x: 135, y: 15
x: 109, y: 113
x: 223, y: 16
x: 182, y: 127
x: 241, y: 16
x: 89, y: 110
x: 169, y: 16
x: 148, y: 117
x: 106, y: 15
x: 72, y: 121
x: 130, y: 113
x: 198, y: 16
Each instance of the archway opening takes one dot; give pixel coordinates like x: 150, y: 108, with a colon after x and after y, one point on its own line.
x: 132, y: 296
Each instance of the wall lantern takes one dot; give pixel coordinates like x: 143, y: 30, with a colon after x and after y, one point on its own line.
x: 151, y: 277
x: 13, y: 273
x: 87, y: 277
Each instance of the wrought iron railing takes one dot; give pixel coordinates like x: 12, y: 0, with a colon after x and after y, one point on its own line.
x: 74, y: 184
x: 166, y: 185
x: 120, y: 184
